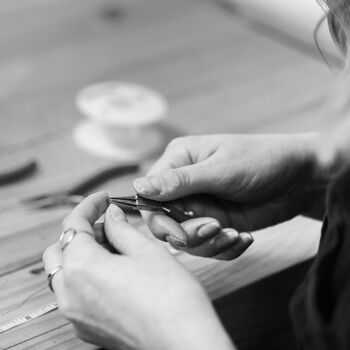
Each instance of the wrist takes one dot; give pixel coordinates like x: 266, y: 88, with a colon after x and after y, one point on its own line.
x: 318, y: 175
x: 198, y: 327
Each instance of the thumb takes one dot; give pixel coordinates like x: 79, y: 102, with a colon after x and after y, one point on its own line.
x: 121, y: 235
x: 175, y: 183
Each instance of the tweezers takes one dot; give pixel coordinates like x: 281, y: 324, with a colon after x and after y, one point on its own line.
x: 139, y: 203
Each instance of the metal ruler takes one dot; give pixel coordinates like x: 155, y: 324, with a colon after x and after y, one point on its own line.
x: 28, y: 316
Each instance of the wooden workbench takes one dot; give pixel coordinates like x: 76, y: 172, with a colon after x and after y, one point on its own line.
x: 219, y: 72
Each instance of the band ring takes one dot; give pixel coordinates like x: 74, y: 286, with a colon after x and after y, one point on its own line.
x: 51, y: 275
x: 67, y: 237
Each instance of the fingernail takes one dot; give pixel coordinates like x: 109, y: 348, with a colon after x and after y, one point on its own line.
x: 176, y: 241
x: 249, y: 239
x: 226, y: 239
x: 209, y: 230
x: 246, y: 241
x: 116, y: 213
x: 147, y: 185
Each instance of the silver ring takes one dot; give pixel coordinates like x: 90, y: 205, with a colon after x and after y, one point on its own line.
x: 67, y: 237
x: 51, y: 275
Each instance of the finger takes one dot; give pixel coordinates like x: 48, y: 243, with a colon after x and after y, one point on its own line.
x: 121, y: 235
x: 84, y: 215
x: 165, y: 228
x: 52, y: 258
x: 244, y: 242
x: 176, y: 183
x: 214, y: 246
x: 200, y: 229
x: 84, y: 249
x: 176, y: 155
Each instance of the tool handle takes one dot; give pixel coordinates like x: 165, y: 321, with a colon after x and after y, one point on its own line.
x: 20, y: 172
x: 166, y: 208
x: 101, y: 177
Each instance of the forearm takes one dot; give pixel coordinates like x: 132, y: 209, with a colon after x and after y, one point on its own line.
x: 205, y: 332
x: 318, y: 175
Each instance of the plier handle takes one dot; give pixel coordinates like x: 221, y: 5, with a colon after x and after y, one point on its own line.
x: 75, y: 194
x: 19, y: 172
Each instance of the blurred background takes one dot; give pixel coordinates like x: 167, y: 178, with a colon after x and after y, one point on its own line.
x: 221, y: 65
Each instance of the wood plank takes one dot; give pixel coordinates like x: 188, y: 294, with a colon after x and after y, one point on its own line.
x: 61, y: 338
x: 111, y: 55
x: 194, y: 107
x: 62, y: 74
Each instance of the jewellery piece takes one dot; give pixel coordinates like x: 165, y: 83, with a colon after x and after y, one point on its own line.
x: 51, y: 275
x: 67, y: 237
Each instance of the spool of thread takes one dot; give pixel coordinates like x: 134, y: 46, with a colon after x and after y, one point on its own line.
x: 122, y: 120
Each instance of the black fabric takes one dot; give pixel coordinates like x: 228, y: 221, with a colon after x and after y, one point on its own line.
x: 256, y: 316
x: 320, y: 308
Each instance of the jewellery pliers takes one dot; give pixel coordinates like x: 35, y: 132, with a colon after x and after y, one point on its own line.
x: 140, y: 203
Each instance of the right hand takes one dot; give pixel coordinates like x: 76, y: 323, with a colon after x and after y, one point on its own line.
x: 244, y: 182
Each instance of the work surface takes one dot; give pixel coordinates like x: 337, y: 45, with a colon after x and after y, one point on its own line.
x: 219, y: 72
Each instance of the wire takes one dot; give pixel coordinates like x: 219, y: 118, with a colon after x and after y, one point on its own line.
x: 24, y: 301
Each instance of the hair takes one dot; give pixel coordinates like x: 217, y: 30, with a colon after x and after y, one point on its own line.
x: 337, y: 144
x: 339, y: 22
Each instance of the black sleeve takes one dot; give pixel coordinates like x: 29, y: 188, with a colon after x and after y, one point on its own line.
x: 320, y: 309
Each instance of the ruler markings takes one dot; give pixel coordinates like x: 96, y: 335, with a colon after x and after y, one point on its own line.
x: 28, y: 316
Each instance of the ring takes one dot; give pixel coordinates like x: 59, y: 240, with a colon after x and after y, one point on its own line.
x: 51, y: 275
x: 67, y: 237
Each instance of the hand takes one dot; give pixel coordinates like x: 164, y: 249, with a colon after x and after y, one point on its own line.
x: 140, y: 298
x: 245, y: 182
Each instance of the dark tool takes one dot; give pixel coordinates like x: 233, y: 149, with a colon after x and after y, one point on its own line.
x: 18, y: 173
x: 139, y: 203
x: 77, y: 193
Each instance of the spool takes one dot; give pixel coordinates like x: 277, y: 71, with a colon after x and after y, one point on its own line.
x: 122, y: 120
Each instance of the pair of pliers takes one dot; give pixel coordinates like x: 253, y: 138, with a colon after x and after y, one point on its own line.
x: 140, y: 203
x: 77, y: 193
x: 19, y: 172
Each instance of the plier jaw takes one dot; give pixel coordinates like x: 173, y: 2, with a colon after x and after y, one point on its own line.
x: 141, y: 203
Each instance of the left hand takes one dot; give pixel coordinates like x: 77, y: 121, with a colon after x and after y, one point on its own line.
x: 141, y: 298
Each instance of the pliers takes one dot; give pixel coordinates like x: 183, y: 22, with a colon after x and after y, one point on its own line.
x: 18, y: 173
x: 140, y: 203
x: 77, y: 193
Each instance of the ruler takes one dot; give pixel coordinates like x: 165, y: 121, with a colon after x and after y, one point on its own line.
x: 28, y: 316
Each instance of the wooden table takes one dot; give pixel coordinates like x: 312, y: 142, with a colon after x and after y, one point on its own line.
x: 220, y: 73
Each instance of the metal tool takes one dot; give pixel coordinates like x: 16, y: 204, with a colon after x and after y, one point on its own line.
x: 28, y: 316
x: 140, y: 203
x: 19, y: 172
x: 77, y: 193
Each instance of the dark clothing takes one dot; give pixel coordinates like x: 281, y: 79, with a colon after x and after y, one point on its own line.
x: 257, y: 316
x: 320, y: 308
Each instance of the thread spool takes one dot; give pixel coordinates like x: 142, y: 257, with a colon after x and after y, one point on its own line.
x: 122, y: 120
